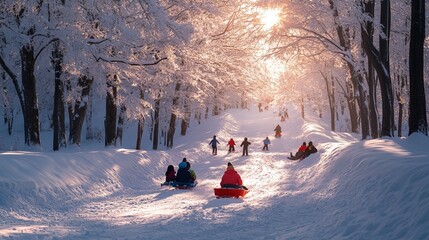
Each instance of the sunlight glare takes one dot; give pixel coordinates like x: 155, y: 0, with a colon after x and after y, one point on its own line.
x: 269, y: 17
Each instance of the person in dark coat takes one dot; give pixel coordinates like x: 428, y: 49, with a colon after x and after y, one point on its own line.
x: 214, y: 143
x: 183, y: 174
x: 245, y: 144
x: 278, y: 131
x: 299, y: 153
x: 309, y: 150
x: 170, y: 174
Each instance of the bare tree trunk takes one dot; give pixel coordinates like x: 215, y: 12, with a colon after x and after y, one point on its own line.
x: 186, y: 118
x: 120, y: 129
x: 331, y: 98
x: 372, y: 84
x: 59, y: 139
x: 380, y: 58
x: 417, y: 117
x: 111, y: 112
x: 7, y: 109
x: 156, y: 124
x: 31, y: 105
x: 78, y: 111
x: 140, y: 126
x: 173, y: 117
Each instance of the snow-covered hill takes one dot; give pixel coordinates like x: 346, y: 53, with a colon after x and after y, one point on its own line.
x: 350, y: 189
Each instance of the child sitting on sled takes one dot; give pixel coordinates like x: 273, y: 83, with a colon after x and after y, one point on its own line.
x: 170, y: 176
x: 231, y: 179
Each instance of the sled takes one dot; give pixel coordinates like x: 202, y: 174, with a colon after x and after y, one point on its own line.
x: 183, y: 185
x: 230, y: 192
x: 278, y: 135
x: 166, y: 184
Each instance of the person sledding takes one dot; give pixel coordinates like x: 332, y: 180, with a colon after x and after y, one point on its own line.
x: 303, y: 151
x: 278, y: 131
x: 231, y: 178
x: 170, y: 176
x: 309, y: 150
x: 299, y: 153
x: 214, y: 142
x: 184, y: 176
x: 231, y: 145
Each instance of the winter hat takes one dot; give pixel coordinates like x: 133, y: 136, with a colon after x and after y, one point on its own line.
x: 182, y: 165
x: 229, y: 166
x: 184, y: 160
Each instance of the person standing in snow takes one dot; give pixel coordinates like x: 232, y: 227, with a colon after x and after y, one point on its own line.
x: 245, y: 144
x: 214, y: 142
x: 266, y: 142
x: 231, y: 145
x: 231, y: 178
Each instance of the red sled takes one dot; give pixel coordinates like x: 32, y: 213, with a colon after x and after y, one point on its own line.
x: 230, y: 192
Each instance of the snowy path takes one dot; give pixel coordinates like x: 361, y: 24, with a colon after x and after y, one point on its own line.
x: 115, y: 193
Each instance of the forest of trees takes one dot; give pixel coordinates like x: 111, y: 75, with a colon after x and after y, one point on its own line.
x: 162, y: 64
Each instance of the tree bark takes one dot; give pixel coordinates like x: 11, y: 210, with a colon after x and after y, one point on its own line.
x: 417, y: 118
x: 156, y: 124
x: 78, y: 111
x: 140, y: 124
x: 31, y: 105
x: 372, y: 84
x: 173, y: 117
x: 331, y: 98
x: 111, y: 112
x: 380, y: 58
x: 186, y: 118
x: 120, y: 129
x: 58, y: 115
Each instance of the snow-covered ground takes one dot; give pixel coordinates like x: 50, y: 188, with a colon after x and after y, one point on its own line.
x: 350, y: 189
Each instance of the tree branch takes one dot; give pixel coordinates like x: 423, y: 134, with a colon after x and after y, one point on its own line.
x: 129, y: 63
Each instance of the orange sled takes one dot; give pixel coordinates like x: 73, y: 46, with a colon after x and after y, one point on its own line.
x: 230, y: 192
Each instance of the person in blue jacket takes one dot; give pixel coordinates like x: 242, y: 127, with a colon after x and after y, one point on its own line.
x: 183, y: 175
x: 266, y: 142
x: 214, y: 143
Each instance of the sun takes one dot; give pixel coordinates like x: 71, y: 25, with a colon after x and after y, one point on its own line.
x: 269, y: 17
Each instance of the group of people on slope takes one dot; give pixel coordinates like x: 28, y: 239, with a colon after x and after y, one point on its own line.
x: 230, y: 178
x: 303, y: 151
x: 184, y: 174
x: 231, y: 145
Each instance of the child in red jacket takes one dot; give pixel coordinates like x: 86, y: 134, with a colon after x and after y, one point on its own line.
x: 231, y: 179
x: 231, y: 145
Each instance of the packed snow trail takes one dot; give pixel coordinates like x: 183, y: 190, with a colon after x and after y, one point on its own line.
x: 116, y: 193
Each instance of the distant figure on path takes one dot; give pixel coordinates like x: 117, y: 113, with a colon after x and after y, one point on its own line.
x: 245, y: 144
x: 214, y: 143
x: 231, y: 145
x: 266, y: 142
x: 278, y: 131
